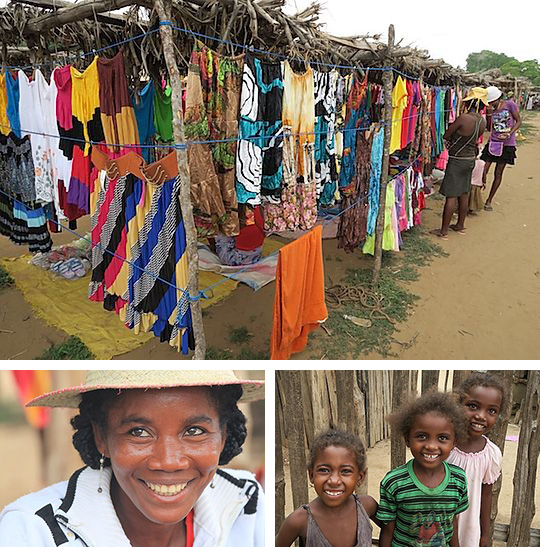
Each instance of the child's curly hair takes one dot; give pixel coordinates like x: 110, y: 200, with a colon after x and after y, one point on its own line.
x: 337, y: 437
x: 434, y: 401
x: 483, y: 379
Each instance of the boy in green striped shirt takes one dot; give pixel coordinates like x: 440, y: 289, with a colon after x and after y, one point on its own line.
x: 420, y: 499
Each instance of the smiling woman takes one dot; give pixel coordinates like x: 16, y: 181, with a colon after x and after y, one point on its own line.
x: 152, y: 442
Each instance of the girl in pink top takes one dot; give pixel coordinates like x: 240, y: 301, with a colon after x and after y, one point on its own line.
x: 482, y: 396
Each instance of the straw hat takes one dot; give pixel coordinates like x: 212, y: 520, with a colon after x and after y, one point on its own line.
x: 70, y: 397
x: 477, y: 93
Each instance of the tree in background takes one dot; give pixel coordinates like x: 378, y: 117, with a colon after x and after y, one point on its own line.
x: 485, y: 60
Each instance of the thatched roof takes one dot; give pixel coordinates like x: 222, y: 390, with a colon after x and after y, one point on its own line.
x: 35, y: 31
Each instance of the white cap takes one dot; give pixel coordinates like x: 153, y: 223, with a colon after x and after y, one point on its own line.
x: 493, y: 93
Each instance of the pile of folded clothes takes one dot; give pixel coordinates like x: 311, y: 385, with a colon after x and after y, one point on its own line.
x: 70, y: 261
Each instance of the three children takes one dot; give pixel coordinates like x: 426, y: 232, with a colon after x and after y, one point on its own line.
x: 441, y: 497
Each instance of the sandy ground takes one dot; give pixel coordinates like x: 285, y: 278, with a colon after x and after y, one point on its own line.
x: 479, y: 303
x: 378, y: 461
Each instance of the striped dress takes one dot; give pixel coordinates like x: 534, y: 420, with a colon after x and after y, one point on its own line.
x: 423, y: 516
x: 138, y: 218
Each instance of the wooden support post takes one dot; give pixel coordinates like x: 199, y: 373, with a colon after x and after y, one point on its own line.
x: 523, y: 508
x: 292, y: 411
x: 387, y: 83
x: 280, y: 474
x: 183, y: 172
x: 430, y: 378
x: 400, y: 395
x: 498, y: 436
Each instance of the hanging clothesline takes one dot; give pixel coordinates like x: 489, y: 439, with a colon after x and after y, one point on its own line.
x: 245, y: 47
x: 185, y: 145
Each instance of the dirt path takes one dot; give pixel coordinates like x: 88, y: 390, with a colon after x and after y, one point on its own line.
x: 480, y: 302
x: 483, y: 301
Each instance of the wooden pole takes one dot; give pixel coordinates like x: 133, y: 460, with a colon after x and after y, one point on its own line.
x: 292, y: 412
x: 400, y: 393
x: 387, y: 83
x: 183, y: 172
x: 498, y: 436
x: 523, y: 508
x: 280, y: 474
x: 430, y: 378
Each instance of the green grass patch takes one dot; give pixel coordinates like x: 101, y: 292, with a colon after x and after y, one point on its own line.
x: 240, y: 335
x: 73, y: 348
x: 527, y: 128
x: 245, y: 353
x: 5, y: 279
x: 348, y: 340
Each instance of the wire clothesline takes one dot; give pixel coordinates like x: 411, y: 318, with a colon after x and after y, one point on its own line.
x: 238, y: 138
x: 202, y: 294
x: 246, y: 47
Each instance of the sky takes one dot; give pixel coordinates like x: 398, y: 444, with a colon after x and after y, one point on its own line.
x: 449, y: 29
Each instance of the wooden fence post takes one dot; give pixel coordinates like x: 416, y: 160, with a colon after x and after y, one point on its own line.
x: 280, y: 474
x: 430, y: 378
x: 498, y: 436
x: 387, y: 84
x: 523, y: 508
x: 400, y: 395
x: 183, y: 172
x: 292, y: 412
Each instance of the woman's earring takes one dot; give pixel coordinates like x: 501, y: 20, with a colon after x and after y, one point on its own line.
x: 101, y: 464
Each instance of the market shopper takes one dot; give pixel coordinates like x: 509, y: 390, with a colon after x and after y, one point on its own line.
x: 501, y: 147
x: 461, y: 137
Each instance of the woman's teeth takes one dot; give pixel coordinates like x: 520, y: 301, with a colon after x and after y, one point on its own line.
x: 431, y: 456
x: 166, y: 490
x: 333, y: 492
x: 478, y: 427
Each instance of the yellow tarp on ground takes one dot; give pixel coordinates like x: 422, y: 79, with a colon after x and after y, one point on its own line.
x: 64, y: 304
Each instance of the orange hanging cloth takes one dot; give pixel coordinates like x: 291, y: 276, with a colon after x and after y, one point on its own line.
x: 30, y: 384
x: 299, y: 305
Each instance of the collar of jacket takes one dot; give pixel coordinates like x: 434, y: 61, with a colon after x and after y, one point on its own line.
x: 91, y: 515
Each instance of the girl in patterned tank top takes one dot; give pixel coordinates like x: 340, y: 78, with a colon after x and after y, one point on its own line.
x: 337, y: 517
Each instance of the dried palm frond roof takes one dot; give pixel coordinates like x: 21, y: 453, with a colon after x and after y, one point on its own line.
x: 36, y: 31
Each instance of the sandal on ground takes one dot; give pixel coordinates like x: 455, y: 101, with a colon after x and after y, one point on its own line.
x: 453, y: 227
x: 437, y: 232
x: 488, y: 207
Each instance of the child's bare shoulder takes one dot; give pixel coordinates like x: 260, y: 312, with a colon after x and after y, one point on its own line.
x: 298, y: 519
x: 293, y: 526
x: 369, y: 504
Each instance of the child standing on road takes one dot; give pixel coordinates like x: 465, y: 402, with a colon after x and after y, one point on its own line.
x: 482, y: 396
x: 337, y: 517
x: 421, y: 499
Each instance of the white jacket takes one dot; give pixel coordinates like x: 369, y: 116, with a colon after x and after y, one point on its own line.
x: 72, y: 512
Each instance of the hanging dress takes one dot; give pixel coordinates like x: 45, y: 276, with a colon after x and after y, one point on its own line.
x: 88, y: 127
x: 212, y: 102
x: 260, y: 147
x: 143, y: 105
x: 117, y: 114
x: 326, y: 174
x: 5, y: 127
x: 298, y: 207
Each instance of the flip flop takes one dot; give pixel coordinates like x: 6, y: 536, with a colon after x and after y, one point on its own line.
x: 488, y: 208
x: 453, y: 227
x: 437, y: 232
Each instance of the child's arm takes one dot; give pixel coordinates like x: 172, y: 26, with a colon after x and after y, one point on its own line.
x: 293, y: 526
x: 485, y: 514
x: 371, y: 506
x: 454, y: 541
x: 387, y: 533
